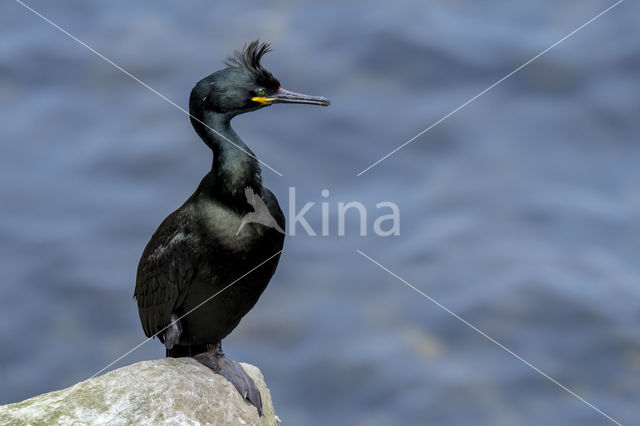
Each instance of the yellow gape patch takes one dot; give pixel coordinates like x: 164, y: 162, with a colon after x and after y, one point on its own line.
x: 262, y: 100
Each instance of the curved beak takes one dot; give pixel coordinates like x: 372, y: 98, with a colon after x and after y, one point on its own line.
x: 285, y: 96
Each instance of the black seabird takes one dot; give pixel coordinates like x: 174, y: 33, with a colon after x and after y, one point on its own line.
x: 230, y: 225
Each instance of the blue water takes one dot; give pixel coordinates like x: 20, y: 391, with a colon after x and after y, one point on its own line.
x: 519, y: 212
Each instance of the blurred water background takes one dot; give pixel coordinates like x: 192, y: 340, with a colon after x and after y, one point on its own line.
x: 519, y: 213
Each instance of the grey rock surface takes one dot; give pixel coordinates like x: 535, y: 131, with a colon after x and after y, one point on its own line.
x: 164, y: 391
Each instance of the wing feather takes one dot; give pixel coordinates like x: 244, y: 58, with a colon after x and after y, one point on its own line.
x: 165, y: 271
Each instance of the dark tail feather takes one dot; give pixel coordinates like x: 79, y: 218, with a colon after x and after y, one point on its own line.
x: 179, y: 351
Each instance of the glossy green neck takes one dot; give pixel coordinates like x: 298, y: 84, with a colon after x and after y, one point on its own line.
x: 235, y: 166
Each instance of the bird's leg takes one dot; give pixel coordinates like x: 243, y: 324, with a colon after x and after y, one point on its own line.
x: 214, y: 359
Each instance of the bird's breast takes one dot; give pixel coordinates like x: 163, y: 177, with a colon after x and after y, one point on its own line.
x: 228, y: 229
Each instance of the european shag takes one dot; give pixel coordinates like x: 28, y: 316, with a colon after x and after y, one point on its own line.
x: 230, y: 225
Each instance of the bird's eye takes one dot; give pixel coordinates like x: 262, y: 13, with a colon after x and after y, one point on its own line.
x: 261, y: 92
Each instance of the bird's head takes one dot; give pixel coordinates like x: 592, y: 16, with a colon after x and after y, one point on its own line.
x: 244, y: 86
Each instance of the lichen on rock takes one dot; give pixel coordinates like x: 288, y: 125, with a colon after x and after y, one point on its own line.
x: 165, y: 391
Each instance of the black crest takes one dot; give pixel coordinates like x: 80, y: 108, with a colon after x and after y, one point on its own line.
x: 249, y: 58
x: 250, y: 55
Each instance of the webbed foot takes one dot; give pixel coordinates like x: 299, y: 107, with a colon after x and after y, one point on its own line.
x: 214, y: 359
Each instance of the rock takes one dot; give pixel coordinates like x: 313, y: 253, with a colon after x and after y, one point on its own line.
x: 164, y: 391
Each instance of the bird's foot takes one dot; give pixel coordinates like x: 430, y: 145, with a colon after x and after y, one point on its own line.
x: 214, y: 359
